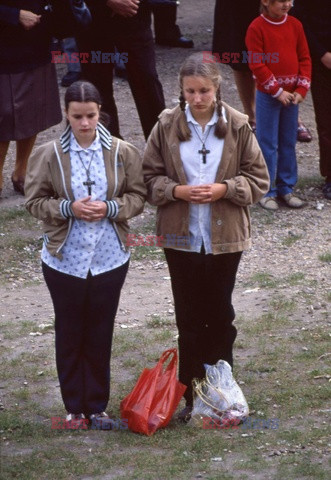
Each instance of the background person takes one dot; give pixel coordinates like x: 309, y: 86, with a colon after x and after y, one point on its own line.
x: 125, y: 24
x: 203, y: 168
x: 316, y: 19
x: 29, y: 97
x: 84, y: 188
x: 231, y: 20
x: 281, y: 86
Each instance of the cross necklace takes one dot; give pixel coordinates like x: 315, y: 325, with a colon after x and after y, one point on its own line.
x: 88, y: 182
x: 203, y: 150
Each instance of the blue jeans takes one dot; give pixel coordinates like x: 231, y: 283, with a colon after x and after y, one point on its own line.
x: 276, y: 132
x: 69, y: 46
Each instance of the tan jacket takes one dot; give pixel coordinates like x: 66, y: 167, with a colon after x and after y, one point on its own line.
x: 48, y: 183
x: 242, y: 168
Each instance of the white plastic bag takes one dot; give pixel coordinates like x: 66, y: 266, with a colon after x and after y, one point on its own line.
x: 219, y: 401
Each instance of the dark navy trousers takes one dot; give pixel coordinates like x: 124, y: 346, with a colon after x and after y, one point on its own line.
x: 85, y: 312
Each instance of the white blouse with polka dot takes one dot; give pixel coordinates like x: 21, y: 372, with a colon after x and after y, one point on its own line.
x: 90, y: 246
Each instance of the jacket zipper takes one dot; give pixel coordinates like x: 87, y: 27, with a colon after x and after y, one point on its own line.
x: 67, y: 195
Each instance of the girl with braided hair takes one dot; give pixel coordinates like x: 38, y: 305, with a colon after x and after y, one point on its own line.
x: 203, y: 168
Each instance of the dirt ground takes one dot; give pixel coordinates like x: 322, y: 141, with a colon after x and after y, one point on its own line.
x: 147, y: 289
x: 197, y: 22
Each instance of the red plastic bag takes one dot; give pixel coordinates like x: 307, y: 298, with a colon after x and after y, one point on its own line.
x: 155, y: 397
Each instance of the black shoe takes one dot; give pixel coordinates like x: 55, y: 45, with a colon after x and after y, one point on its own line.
x: 70, y: 78
x: 120, y: 72
x: 181, y: 42
x: 184, y: 415
x: 327, y: 190
x: 101, y: 421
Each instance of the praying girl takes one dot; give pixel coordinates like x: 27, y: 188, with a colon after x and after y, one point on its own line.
x: 84, y: 187
x: 203, y: 168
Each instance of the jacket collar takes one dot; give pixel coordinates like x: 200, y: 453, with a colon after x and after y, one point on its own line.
x: 104, y: 135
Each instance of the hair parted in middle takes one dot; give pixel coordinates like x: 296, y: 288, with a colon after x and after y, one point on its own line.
x: 196, y: 65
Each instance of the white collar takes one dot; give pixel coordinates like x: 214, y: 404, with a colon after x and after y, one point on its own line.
x: 74, y: 145
x: 212, y: 121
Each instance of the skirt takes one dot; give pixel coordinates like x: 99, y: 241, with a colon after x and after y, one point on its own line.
x: 29, y: 103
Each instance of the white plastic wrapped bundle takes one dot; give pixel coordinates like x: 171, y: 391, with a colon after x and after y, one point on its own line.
x: 219, y: 400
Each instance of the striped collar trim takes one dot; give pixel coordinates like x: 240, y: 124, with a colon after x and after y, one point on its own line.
x: 267, y: 19
x: 105, y: 138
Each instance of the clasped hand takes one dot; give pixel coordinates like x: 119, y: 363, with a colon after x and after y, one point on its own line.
x: 28, y: 19
x: 125, y: 8
x: 286, y: 98
x: 89, y: 211
x: 200, y: 193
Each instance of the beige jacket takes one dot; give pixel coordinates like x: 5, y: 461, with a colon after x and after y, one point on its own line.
x: 242, y: 168
x: 48, y: 183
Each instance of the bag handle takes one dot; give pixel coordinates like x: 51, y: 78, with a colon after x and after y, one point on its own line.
x: 165, y: 355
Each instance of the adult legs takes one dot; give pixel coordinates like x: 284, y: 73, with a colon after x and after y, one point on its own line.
x: 321, y: 93
x: 96, y: 41
x: 246, y: 89
x: 143, y: 79
x: 287, y: 174
x: 23, y: 151
x: 3, y: 152
x: 267, y: 125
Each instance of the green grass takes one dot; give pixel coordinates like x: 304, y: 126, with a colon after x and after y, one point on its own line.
x: 276, y: 364
x: 325, y: 257
x: 20, y: 238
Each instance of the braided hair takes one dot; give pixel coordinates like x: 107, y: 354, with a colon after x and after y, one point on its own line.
x: 196, y: 65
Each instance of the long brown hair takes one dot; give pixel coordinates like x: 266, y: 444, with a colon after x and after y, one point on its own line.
x: 197, y: 65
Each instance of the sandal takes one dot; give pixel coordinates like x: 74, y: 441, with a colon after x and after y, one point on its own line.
x: 303, y: 134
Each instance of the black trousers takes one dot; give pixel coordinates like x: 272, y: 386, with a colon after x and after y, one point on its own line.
x: 202, y: 287
x: 134, y: 37
x: 165, y: 16
x: 85, y: 311
x: 321, y: 93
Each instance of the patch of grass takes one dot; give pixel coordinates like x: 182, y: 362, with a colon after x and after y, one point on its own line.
x: 291, y: 240
x: 156, y: 321
x: 267, y: 280
x: 325, y: 257
x: 20, y: 238
x: 308, y: 182
x: 264, y: 280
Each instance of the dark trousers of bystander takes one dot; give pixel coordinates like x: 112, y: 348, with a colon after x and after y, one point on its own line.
x: 132, y: 37
x: 321, y: 93
x: 85, y: 311
x: 202, y: 287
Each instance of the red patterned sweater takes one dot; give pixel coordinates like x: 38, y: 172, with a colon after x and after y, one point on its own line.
x: 278, y: 55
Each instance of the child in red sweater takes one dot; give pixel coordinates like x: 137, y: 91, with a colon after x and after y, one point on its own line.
x: 279, y: 58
